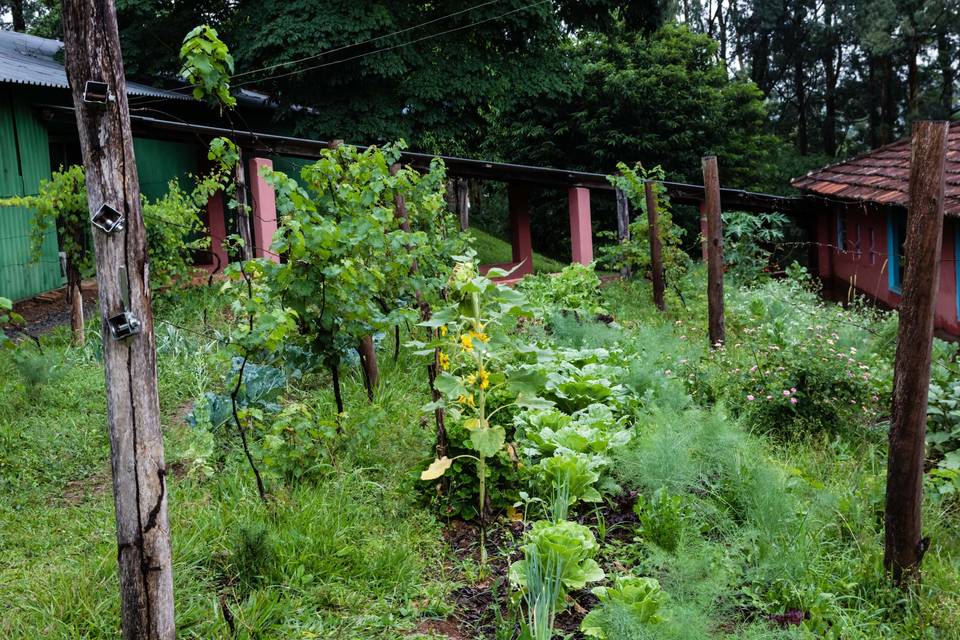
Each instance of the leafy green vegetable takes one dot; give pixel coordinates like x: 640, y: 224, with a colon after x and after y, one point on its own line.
x: 628, y: 604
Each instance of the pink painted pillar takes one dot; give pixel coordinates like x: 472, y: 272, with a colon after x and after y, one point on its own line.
x: 581, y: 231
x: 264, y: 210
x: 217, y: 225
x: 518, y: 195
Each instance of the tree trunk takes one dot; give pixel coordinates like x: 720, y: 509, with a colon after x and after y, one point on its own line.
x: 888, y: 100
x: 904, y: 546
x: 945, y: 55
x: 711, y: 187
x: 913, y: 80
x: 133, y: 412
x: 656, y: 257
x: 760, y: 62
x: 875, y: 100
x: 368, y: 360
x: 799, y: 80
x: 16, y: 10
x: 831, y: 53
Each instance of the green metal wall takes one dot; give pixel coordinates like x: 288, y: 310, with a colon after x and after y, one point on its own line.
x: 24, y: 161
x: 159, y: 160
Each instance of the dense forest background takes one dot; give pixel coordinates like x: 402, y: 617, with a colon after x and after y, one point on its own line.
x: 773, y: 87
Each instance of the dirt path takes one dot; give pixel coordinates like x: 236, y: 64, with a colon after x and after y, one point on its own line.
x: 50, y: 310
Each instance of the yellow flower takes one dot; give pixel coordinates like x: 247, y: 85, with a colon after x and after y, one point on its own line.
x: 466, y: 342
x: 467, y: 400
x: 443, y: 330
x: 444, y: 360
x: 484, y: 379
x: 482, y: 337
x: 471, y: 379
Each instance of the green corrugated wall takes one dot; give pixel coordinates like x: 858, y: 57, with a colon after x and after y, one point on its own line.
x: 20, y: 174
x: 160, y: 160
x: 20, y: 275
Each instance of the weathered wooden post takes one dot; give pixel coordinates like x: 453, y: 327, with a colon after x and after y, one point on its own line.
x: 95, y: 69
x: 714, y: 241
x: 463, y: 203
x: 656, y: 253
x: 243, y: 211
x: 434, y: 368
x: 904, y: 547
x: 623, y: 227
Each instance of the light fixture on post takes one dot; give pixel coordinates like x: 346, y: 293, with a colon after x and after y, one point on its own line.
x: 124, y: 324
x: 96, y: 93
x: 107, y: 219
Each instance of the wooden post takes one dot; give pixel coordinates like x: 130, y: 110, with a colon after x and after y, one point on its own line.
x: 243, y: 212
x: 77, y: 330
x: 434, y: 368
x: 133, y: 411
x: 904, y: 547
x: 711, y: 188
x: 463, y: 203
x: 623, y: 226
x: 656, y: 254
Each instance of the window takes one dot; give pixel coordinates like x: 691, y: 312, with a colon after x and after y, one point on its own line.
x: 896, y: 236
x: 873, y: 246
x: 841, y: 232
x: 856, y: 244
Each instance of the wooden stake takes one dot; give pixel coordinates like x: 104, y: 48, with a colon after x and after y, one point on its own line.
x: 656, y: 257
x: 623, y: 226
x: 133, y: 411
x: 463, y: 203
x: 243, y: 211
x: 77, y: 330
x: 904, y: 547
x: 711, y: 188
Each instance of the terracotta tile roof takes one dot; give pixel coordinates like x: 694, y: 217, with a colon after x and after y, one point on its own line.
x: 883, y: 175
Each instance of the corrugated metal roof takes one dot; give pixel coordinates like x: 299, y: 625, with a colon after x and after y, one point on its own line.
x: 26, y: 59
x: 883, y: 176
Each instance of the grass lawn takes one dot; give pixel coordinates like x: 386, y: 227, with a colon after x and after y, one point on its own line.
x: 750, y: 534
x: 493, y: 250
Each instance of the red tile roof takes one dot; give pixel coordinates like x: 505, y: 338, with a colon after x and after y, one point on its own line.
x: 883, y: 175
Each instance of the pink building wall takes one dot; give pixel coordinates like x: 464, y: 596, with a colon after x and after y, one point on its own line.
x: 864, y: 263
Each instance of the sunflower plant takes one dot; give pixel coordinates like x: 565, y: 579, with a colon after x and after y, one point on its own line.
x: 477, y: 378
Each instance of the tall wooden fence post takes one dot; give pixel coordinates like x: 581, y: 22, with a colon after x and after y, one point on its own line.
x: 243, y: 211
x: 433, y: 369
x: 904, y: 546
x: 463, y: 203
x: 623, y: 227
x: 95, y: 69
x: 656, y: 252
x: 711, y: 188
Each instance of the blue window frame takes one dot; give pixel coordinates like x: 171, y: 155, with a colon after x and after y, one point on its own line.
x: 896, y: 236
